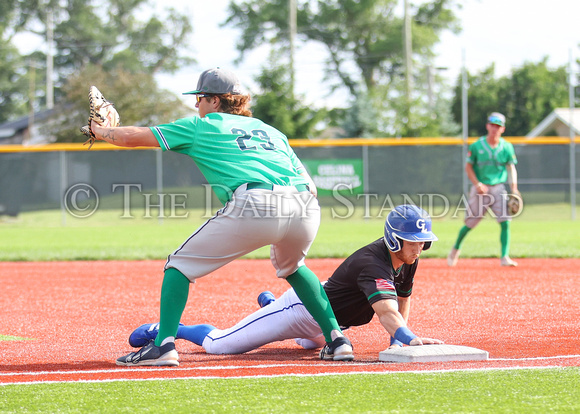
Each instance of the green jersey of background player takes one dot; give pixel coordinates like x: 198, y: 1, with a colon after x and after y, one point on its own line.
x: 268, y: 197
x: 491, y: 162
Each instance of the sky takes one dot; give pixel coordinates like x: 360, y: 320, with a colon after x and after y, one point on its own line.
x: 507, y: 32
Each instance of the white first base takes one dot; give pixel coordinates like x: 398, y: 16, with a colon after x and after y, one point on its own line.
x: 433, y: 353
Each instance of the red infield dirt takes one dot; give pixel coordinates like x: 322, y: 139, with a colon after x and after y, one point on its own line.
x: 77, y: 317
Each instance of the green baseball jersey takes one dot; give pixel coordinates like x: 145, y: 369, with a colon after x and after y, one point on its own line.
x: 231, y: 150
x: 489, y: 164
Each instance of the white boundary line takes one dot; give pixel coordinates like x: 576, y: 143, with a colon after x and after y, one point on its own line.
x: 262, y: 366
x: 534, y: 358
x: 202, y: 368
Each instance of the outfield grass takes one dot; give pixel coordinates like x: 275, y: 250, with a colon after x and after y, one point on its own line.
x: 510, y: 391
x: 48, y: 235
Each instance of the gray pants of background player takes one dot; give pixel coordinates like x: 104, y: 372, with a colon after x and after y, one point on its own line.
x: 283, y: 218
x: 478, y: 204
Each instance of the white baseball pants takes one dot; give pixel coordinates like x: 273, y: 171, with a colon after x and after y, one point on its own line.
x: 284, y: 218
x: 285, y: 318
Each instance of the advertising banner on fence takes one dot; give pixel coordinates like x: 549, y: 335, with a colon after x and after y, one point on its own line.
x: 342, y: 175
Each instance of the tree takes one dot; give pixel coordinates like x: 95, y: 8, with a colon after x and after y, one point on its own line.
x: 13, y: 85
x: 532, y: 93
x: 142, y: 105
x: 278, y: 106
x: 363, y: 39
x: 526, y: 96
x: 110, y: 34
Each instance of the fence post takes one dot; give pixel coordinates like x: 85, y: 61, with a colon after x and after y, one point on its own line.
x: 63, y: 184
x: 572, y: 143
x: 159, y: 178
x: 464, y: 122
x: 365, y: 158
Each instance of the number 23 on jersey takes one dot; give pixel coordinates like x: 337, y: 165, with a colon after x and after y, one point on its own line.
x: 244, y: 139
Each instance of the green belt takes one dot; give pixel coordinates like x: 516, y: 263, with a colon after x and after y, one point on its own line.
x: 264, y: 186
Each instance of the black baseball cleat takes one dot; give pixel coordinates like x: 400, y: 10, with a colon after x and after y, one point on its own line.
x: 152, y: 355
x: 338, y: 350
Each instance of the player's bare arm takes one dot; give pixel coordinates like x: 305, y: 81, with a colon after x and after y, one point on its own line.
x: 481, y: 188
x: 128, y: 136
x: 512, y: 178
x: 404, y: 310
x: 388, y: 312
x: 394, y: 323
x: 404, y: 307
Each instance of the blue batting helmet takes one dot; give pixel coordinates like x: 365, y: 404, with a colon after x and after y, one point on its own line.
x: 408, y: 222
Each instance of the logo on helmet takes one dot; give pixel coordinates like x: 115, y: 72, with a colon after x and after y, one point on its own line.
x: 421, y: 225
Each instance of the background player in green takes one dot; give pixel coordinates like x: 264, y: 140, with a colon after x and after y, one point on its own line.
x: 268, y: 197
x: 491, y: 162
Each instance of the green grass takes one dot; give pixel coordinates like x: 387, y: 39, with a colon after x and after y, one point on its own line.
x: 520, y: 391
x: 13, y: 338
x: 48, y: 235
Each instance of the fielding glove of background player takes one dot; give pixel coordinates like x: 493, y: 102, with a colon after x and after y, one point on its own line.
x: 515, y: 204
x: 102, y: 112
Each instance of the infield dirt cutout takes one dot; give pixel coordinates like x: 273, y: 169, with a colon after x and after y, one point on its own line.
x: 77, y: 317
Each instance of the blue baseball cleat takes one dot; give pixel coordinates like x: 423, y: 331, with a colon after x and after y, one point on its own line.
x: 265, y: 298
x: 143, y: 334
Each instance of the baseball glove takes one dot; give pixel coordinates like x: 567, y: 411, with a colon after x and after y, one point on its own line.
x: 102, y: 112
x: 515, y: 203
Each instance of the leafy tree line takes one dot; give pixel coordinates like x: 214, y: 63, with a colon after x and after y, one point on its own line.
x: 365, y: 57
x: 525, y: 96
x: 100, y: 42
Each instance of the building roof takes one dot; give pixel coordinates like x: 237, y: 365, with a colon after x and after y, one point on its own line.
x: 18, y: 130
x: 10, y: 128
x: 559, y: 121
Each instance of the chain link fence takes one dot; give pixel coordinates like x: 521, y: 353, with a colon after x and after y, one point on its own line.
x: 377, y: 172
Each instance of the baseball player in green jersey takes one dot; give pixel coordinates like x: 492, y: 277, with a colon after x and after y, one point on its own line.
x: 491, y: 162
x: 268, y: 197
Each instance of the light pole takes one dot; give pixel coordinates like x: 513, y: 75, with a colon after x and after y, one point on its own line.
x: 292, y: 30
x: 572, y: 139
x: 408, y: 46
x: 49, y: 60
x: 464, y: 123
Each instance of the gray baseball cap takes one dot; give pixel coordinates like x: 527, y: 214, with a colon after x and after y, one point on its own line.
x: 217, y: 81
x: 496, y: 118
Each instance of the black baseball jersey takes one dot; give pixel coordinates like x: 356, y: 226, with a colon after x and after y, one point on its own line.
x: 364, y: 278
